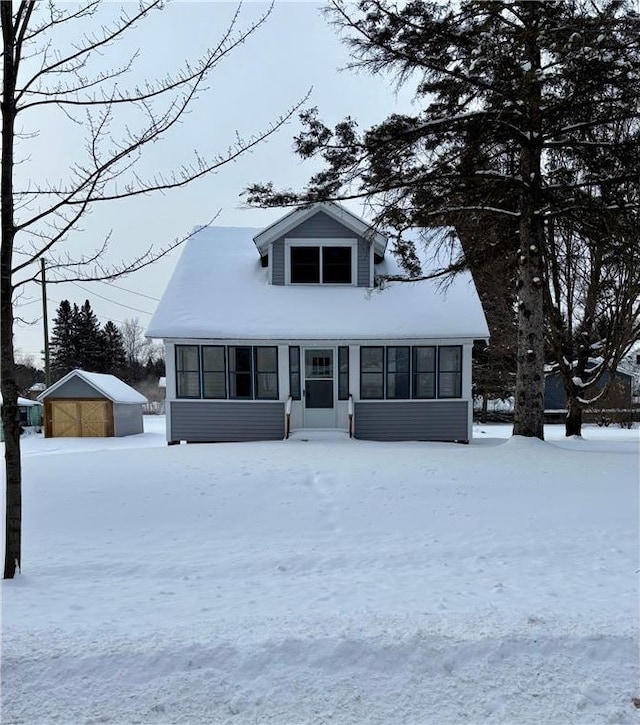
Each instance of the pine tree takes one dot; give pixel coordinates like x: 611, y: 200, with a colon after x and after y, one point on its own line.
x: 114, y: 359
x: 504, y: 85
x: 63, y: 344
x: 88, y: 339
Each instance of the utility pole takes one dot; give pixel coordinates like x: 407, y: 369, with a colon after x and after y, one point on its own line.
x: 45, y: 321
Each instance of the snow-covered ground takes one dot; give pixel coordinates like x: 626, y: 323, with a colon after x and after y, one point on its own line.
x: 326, y: 581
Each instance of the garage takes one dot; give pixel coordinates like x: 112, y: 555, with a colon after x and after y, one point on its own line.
x: 94, y: 405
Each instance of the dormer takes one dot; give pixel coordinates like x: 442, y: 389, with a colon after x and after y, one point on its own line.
x: 322, y: 244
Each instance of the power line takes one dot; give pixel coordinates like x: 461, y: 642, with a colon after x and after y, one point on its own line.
x: 91, y: 292
x: 101, y: 317
x: 133, y: 292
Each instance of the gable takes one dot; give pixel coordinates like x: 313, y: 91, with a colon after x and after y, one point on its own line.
x: 76, y: 387
x: 285, y: 226
x: 321, y: 226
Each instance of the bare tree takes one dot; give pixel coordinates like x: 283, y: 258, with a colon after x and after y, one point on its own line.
x: 119, y: 122
x: 135, y: 347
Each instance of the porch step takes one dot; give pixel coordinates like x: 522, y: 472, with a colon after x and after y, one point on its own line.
x: 307, y: 435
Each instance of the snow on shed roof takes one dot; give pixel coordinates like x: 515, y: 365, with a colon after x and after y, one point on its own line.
x: 220, y: 290
x: 110, y: 386
x: 25, y: 402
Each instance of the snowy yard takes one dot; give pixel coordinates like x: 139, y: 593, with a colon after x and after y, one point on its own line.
x: 326, y: 581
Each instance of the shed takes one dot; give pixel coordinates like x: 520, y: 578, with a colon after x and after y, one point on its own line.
x: 30, y: 413
x: 83, y: 404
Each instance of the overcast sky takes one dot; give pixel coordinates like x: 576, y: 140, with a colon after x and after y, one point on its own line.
x: 294, y: 51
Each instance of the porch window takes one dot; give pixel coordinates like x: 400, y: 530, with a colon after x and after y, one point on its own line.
x: 294, y: 372
x: 240, y: 373
x: 398, y: 381
x: 424, y: 372
x: 187, y: 371
x: 214, y: 379
x: 266, y: 373
x: 321, y: 264
x: 450, y: 371
x: 343, y: 373
x: 372, y: 373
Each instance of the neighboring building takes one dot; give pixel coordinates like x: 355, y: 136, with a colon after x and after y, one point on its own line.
x: 618, y: 397
x: 30, y: 413
x: 283, y: 326
x: 35, y: 390
x: 83, y: 404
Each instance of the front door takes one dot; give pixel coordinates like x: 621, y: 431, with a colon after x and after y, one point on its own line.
x: 318, y: 391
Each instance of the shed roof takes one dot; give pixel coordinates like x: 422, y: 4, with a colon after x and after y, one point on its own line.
x: 25, y: 402
x: 220, y: 290
x: 108, y: 385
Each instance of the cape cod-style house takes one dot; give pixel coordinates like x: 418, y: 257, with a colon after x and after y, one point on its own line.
x: 285, y: 328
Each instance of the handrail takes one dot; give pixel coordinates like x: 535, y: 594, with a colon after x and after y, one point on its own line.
x: 287, y: 411
x: 350, y: 415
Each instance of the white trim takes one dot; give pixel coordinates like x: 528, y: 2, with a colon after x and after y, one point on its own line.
x: 336, y: 211
x: 329, y: 242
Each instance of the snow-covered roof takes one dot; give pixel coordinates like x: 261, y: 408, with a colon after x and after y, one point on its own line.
x: 37, y: 387
x: 23, y: 401
x: 110, y: 386
x: 220, y: 290
x: 358, y: 226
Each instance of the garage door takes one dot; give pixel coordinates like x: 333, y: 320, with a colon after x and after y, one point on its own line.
x: 81, y: 418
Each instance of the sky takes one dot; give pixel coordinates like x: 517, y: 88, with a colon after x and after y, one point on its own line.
x: 293, y: 53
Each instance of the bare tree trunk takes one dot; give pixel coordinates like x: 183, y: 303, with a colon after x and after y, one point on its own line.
x: 573, y: 422
x: 10, y: 417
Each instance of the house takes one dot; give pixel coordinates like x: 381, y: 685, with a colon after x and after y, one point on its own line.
x: 618, y: 396
x: 287, y: 327
x: 83, y: 404
x: 30, y: 413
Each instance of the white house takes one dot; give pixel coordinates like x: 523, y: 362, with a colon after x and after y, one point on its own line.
x: 286, y: 326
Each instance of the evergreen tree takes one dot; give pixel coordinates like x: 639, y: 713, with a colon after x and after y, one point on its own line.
x: 63, y: 347
x: 113, y: 355
x: 89, y: 339
x: 505, y: 85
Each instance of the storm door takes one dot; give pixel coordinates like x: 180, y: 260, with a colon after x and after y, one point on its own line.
x: 319, y: 388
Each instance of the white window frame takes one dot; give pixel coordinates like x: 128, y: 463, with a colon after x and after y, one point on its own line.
x: 352, y: 243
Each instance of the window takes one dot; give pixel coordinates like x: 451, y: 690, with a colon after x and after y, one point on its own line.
x: 424, y: 372
x: 214, y: 383
x: 305, y: 265
x: 266, y: 373
x: 398, y: 383
x: 343, y: 373
x: 321, y: 264
x: 336, y: 265
x: 294, y: 372
x: 450, y: 371
x: 187, y: 371
x: 371, y: 373
x: 240, y: 372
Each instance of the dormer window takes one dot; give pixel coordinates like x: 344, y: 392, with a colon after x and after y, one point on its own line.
x: 320, y: 262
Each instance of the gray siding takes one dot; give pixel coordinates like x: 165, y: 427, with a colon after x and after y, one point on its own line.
x: 127, y: 419
x: 277, y: 262
x: 76, y: 388
x: 219, y: 421
x: 321, y: 226
x: 364, y: 262
x: 412, y: 421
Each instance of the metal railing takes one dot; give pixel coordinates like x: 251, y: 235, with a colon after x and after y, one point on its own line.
x: 287, y: 417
